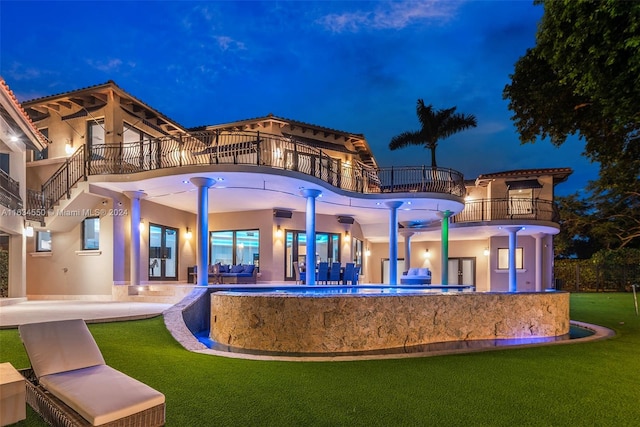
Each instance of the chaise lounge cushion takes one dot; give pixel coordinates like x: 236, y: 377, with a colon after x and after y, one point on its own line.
x: 102, y: 394
x: 68, y: 363
x: 60, y: 346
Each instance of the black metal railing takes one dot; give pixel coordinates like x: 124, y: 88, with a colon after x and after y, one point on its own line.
x: 255, y: 148
x: 9, y: 192
x: 59, y: 185
x: 240, y: 148
x: 507, y: 209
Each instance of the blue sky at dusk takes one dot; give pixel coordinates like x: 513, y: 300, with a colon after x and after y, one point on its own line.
x: 353, y: 66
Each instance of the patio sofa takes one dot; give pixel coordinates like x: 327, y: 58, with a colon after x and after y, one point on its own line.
x: 70, y: 383
x: 231, y: 274
x: 416, y: 276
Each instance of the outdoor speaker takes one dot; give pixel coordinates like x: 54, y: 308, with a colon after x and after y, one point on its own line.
x: 345, y: 219
x: 281, y: 213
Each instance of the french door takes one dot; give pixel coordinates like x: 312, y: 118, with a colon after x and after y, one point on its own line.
x: 163, y: 252
x: 327, y: 250
x: 462, y: 271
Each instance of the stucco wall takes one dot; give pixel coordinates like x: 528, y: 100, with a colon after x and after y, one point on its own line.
x: 67, y: 271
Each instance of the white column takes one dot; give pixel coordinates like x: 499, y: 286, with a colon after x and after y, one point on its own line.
x: 134, y: 251
x: 407, y: 248
x: 202, y: 237
x: 513, y: 243
x: 393, y: 240
x: 538, y: 273
x: 444, y: 242
x: 310, y: 216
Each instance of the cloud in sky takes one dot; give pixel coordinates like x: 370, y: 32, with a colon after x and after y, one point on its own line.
x: 354, y: 66
x: 389, y: 15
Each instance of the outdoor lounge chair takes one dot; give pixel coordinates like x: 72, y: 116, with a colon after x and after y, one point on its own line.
x: 72, y: 385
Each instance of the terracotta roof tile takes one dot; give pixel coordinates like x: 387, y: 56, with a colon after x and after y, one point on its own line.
x: 36, y: 133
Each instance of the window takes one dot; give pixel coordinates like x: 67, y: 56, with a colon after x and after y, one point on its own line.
x: 43, y: 241
x: 44, y: 154
x: 235, y: 247
x: 4, y: 163
x: 327, y: 249
x: 503, y: 259
x: 521, y: 201
x: 91, y: 234
x: 356, y: 250
x: 132, y: 134
x: 95, y: 130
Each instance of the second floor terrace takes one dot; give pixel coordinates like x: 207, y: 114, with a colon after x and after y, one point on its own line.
x: 212, y: 148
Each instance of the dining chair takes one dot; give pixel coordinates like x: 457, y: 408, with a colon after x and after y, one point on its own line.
x: 323, y: 272
x: 347, y: 277
x: 334, y: 273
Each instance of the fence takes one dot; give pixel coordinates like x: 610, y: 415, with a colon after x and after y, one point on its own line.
x: 589, y: 276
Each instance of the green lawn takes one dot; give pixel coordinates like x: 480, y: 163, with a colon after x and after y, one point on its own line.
x: 590, y: 384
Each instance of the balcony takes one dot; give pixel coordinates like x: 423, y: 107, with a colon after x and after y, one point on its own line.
x: 9, y: 192
x: 507, y: 209
x: 259, y: 149
x: 238, y: 148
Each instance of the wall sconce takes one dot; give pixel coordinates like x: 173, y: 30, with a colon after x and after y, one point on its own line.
x: 188, y: 234
x: 427, y: 255
x: 68, y: 147
x: 141, y: 225
x: 28, y: 231
x: 346, y: 236
x: 486, y: 252
x: 278, y: 231
x: 367, y: 252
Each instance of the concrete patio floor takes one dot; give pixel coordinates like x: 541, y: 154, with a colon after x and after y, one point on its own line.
x: 14, y: 312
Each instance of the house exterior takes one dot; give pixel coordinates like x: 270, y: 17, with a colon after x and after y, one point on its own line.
x: 125, y: 201
x: 18, y: 137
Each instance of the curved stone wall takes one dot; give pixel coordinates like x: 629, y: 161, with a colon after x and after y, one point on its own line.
x: 346, y: 323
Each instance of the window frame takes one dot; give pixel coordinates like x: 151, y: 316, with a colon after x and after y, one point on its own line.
x: 39, y: 239
x: 505, y: 258
x: 84, y: 235
x: 235, y: 248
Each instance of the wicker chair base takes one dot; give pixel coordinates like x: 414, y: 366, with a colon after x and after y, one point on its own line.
x: 56, y: 413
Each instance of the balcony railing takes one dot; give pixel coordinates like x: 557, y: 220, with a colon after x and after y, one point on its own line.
x: 507, y: 209
x: 239, y: 148
x: 9, y: 192
x: 255, y: 148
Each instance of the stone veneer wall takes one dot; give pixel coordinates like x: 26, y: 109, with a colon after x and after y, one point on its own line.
x: 346, y: 323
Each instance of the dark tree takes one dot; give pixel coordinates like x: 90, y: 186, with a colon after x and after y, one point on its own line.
x: 583, y: 78
x: 435, y: 126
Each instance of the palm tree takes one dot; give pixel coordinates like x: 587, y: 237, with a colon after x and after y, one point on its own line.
x: 436, y: 125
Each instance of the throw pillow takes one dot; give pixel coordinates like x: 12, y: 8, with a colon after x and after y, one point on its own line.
x: 248, y: 268
x: 224, y: 268
x: 237, y: 268
x: 424, y: 272
x: 412, y: 272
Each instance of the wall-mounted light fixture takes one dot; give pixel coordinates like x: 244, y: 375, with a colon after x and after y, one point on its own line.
x: 188, y: 234
x: 486, y: 252
x: 346, y: 236
x: 28, y: 230
x: 68, y: 147
x: 141, y: 225
x: 367, y: 252
x: 427, y: 255
x: 278, y: 231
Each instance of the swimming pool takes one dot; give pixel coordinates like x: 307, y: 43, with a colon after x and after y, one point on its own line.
x: 319, y: 319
